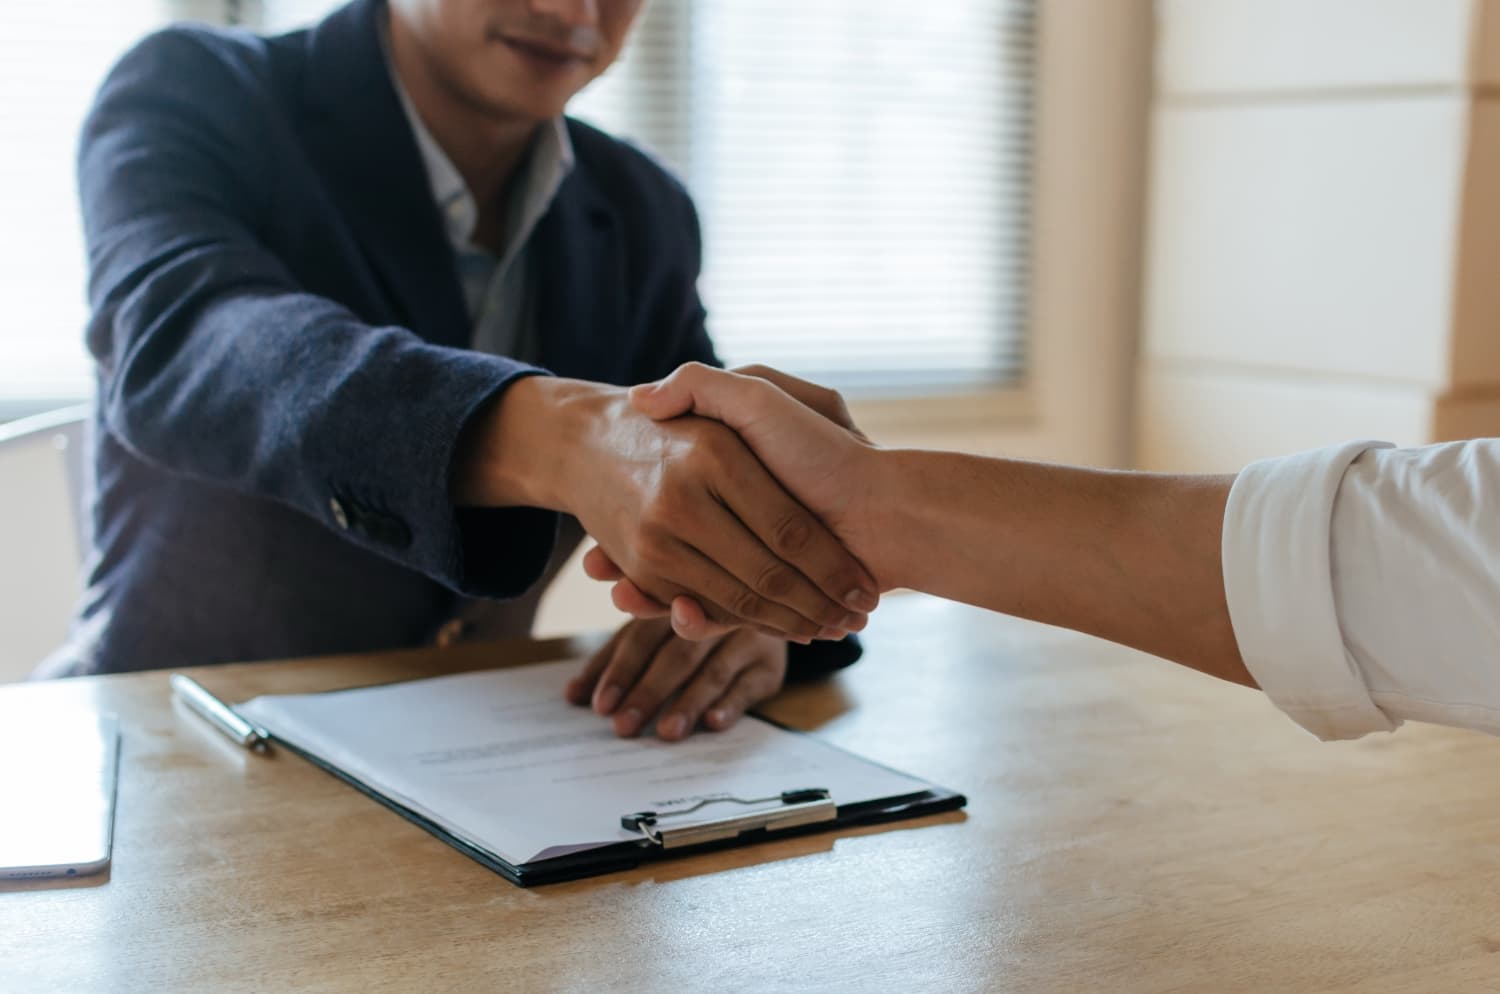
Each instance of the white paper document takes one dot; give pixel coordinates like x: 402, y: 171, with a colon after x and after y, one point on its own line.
x: 500, y: 760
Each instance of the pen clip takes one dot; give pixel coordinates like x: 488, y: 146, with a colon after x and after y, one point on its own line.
x: 804, y: 806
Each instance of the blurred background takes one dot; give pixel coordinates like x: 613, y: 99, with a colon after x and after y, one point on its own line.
x: 1178, y: 235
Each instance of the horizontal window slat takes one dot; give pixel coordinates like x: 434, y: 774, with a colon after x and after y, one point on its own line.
x: 863, y: 177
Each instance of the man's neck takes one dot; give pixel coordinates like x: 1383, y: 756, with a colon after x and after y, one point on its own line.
x: 485, y: 149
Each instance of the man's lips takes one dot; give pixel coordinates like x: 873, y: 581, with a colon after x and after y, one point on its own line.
x: 545, y: 51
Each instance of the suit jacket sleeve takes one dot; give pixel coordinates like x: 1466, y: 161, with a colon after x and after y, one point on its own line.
x: 216, y: 365
x: 804, y: 662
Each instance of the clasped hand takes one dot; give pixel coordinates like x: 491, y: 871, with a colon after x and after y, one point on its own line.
x: 646, y: 673
x: 682, y: 506
x: 801, y: 433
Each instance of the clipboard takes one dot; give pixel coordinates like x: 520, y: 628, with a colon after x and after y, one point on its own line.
x: 497, y: 765
x: 731, y: 830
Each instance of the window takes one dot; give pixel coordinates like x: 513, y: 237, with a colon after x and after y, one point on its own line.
x: 52, y: 58
x: 861, y: 167
x: 862, y: 171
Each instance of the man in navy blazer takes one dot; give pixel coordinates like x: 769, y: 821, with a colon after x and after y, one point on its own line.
x: 363, y: 301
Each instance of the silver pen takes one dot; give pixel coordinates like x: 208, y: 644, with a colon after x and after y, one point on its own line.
x: 218, y: 714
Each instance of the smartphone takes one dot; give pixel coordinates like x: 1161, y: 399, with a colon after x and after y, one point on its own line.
x: 58, y: 772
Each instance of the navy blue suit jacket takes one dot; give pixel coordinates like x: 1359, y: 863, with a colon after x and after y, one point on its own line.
x: 281, y: 345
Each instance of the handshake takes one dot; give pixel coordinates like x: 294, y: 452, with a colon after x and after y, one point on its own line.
x: 745, y: 505
x: 802, y: 435
x: 730, y: 500
x: 733, y: 511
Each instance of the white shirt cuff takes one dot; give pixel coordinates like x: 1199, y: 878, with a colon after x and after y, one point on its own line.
x: 1278, y: 581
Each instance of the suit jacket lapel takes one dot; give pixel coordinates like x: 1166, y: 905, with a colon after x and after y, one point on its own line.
x: 361, y: 140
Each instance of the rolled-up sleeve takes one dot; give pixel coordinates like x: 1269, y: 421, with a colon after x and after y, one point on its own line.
x: 1364, y: 584
x: 1278, y: 580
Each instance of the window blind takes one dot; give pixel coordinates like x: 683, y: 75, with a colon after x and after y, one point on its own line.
x: 862, y: 169
x: 52, y: 58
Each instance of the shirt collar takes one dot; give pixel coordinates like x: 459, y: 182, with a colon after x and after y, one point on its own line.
x: 546, y: 165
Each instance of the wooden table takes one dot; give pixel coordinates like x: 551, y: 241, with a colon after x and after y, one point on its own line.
x: 1132, y: 827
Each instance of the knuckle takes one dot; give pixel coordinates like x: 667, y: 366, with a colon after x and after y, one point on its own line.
x: 651, y: 549
x: 658, y: 507
x: 716, y: 446
x: 746, y: 603
x: 658, y: 522
x: 680, y: 489
x: 792, y: 534
x: 775, y: 582
x: 722, y: 669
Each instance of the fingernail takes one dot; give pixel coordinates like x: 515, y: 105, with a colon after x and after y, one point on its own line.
x: 608, y: 700
x: 718, y: 717
x: 830, y: 634
x: 856, y: 622
x: 628, y: 722
x: 672, y: 726
x: 861, y: 600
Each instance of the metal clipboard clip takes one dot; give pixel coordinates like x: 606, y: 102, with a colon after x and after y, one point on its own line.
x: 806, y: 806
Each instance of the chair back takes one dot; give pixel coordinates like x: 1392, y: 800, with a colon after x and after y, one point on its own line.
x: 43, y: 534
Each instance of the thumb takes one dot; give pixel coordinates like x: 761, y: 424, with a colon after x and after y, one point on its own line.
x: 699, y: 389
x: 661, y: 400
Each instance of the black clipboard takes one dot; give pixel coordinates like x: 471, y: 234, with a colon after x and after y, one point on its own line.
x: 628, y: 855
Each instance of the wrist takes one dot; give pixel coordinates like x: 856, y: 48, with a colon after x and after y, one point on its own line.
x: 515, y: 453
x: 883, y: 513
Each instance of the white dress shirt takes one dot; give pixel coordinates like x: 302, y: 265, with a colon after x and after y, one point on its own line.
x: 1364, y: 584
x: 499, y: 290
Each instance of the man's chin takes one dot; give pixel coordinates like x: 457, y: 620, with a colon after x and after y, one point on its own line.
x: 530, y: 106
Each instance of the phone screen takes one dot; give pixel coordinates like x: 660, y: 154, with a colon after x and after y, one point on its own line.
x: 58, y: 770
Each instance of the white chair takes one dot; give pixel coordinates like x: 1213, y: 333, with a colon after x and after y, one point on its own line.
x: 43, y: 534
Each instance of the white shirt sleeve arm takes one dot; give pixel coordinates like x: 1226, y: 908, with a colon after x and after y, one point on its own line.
x: 1364, y: 584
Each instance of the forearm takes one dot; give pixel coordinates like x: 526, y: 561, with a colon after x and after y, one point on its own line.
x: 1130, y: 557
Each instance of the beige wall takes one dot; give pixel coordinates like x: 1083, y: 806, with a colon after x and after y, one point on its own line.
x: 1324, y: 209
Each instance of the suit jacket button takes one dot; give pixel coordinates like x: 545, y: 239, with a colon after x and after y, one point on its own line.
x: 340, y: 516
